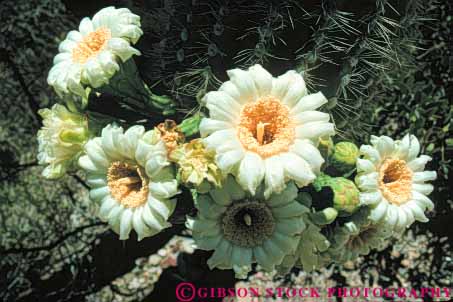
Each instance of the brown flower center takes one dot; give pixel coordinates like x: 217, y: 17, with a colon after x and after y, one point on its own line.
x: 128, y: 184
x: 265, y: 127
x: 248, y: 223
x: 91, y: 45
x: 395, y: 181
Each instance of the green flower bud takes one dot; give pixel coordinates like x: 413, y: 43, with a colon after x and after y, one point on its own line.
x: 76, y: 136
x: 325, y: 146
x: 344, y: 156
x: 326, y: 216
x: 345, y: 193
x: 190, y: 125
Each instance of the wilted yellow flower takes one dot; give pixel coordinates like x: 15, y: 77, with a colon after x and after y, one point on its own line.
x: 170, y: 134
x: 60, y: 140
x: 197, y: 165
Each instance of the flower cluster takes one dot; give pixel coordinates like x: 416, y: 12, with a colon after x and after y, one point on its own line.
x: 269, y: 184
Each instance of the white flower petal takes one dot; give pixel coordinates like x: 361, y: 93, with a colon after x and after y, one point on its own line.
x: 231, y: 89
x: 109, y: 139
x: 244, y: 84
x: 223, y: 102
x: 139, y: 225
x: 423, y: 176
x: 152, y: 220
x: 418, y: 164
x: 370, y: 198
x: 108, y: 64
x: 107, y: 205
x: 96, y: 180
x: 114, y: 218
x: 365, y: 166
x: 297, y: 168
x: 425, y: 189
x: 385, y: 146
x: 229, y: 161
x: 392, y: 216
x: 262, y: 79
x: 67, y: 46
x: 274, y: 176
x: 121, y: 48
x: 314, y: 130
x: 126, y: 224
x: 280, y: 84
x: 164, y: 207
x: 414, y: 148
x: 100, y: 193
x: 96, y: 154
x: 164, y: 190
x: 251, y: 172
x: 310, y: 116
x: 368, y: 182
x: 75, y: 36
x: 209, y: 125
x: 423, y: 201
x: 402, y: 148
x: 379, y: 212
x: 86, y: 164
x: 143, y: 151
x: 417, y: 211
x: 217, y: 138
x: 305, y: 149
x: 85, y: 26
x: 296, y: 90
x: 409, y: 215
x: 309, y: 103
x: 62, y: 57
x: 370, y: 153
x: 402, y: 222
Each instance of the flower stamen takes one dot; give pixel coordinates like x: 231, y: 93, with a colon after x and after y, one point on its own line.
x: 395, y: 181
x: 91, y: 45
x: 128, y: 184
x: 248, y: 223
x: 265, y: 127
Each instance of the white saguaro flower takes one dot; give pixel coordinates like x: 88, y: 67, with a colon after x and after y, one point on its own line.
x: 130, y: 176
x: 244, y: 229
x: 60, y: 140
x: 89, y: 56
x: 392, y: 179
x: 266, y: 128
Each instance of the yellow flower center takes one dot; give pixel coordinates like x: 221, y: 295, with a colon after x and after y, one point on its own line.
x: 128, y: 184
x: 91, y: 45
x: 395, y: 181
x: 265, y: 127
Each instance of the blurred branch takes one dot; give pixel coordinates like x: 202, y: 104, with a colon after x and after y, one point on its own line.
x: 32, y: 102
x: 80, y: 181
x: 53, y: 244
x: 108, y: 259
